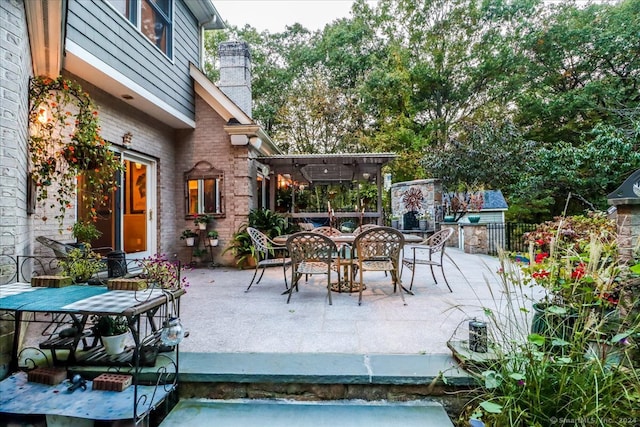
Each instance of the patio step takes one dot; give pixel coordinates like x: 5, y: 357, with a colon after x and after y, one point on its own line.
x: 362, y: 385
x: 263, y: 413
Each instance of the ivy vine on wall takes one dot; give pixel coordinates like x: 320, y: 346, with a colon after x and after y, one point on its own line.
x: 64, y: 144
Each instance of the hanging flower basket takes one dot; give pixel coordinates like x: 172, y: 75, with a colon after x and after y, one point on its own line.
x: 64, y: 144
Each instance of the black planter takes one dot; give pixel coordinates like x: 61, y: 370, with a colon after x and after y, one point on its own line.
x: 552, y: 325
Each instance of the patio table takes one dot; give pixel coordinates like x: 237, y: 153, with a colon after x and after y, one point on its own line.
x: 344, y: 283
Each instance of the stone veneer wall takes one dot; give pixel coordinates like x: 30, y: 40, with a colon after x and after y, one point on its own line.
x: 455, y: 237
x: 476, y: 238
x: 429, y: 189
x: 628, y: 225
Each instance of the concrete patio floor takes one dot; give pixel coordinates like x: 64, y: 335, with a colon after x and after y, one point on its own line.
x: 222, y: 318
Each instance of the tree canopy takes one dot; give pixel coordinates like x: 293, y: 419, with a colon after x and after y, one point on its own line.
x: 536, y: 99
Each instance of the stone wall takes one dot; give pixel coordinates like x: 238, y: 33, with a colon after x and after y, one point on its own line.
x: 422, y: 195
x: 476, y: 238
x: 628, y: 224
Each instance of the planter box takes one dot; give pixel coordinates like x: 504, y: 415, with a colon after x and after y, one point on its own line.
x: 127, y: 284
x: 51, y: 281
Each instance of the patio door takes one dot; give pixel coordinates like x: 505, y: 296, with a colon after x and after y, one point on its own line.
x: 138, y: 212
x: 128, y: 220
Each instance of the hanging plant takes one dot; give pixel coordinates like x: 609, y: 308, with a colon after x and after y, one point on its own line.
x: 65, y: 143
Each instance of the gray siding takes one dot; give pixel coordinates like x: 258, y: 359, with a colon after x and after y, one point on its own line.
x: 107, y: 35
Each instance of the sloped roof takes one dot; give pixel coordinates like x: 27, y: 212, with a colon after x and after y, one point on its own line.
x: 494, y: 200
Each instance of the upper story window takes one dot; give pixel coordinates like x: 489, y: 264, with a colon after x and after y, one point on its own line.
x: 152, y: 18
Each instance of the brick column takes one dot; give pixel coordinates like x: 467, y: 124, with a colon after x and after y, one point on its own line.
x: 475, y: 239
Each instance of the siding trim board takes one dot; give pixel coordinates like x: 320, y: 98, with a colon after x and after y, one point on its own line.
x: 81, y: 63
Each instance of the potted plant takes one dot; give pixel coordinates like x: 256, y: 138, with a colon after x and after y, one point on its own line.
x: 213, y: 237
x: 474, y: 206
x: 85, y: 231
x: 112, y: 330
x: 198, y: 254
x: 159, y: 271
x: 269, y: 222
x: 201, y: 220
x: 81, y: 264
x: 521, y: 380
x: 189, y: 236
x: 571, y: 258
x: 423, y: 220
x: 66, y: 143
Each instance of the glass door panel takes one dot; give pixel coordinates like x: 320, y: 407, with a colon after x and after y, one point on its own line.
x: 136, y: 211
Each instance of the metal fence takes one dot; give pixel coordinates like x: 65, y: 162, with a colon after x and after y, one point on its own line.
x: 508, y: 236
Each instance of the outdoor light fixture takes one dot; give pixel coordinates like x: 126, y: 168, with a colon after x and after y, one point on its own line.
x: 126, y: 139
x: 366, y: 175
x: 478, y: 336
x: 239, y: 139
x: 172, y: 332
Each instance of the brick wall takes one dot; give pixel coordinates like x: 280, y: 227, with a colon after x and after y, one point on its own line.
x: 15, y: 69
x: 209, y: 142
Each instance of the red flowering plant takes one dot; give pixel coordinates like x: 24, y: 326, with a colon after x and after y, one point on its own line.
x: 65, y: 144
x: 573, y: 259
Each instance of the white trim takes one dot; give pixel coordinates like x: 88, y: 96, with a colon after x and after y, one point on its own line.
x: 85, y: 65
x: 220, y: 102
x: 151, y: 220
x: 45, y: 22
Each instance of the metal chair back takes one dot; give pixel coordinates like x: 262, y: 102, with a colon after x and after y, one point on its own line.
x: 378, y: 249
x: 430, y: 252
x: 265, y: 250
x: 311, y: 253
x: 327, y: 231
x: 364, y: 227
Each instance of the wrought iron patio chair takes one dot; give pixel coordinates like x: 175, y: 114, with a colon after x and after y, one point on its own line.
x: 268, y: 254
x: 378, y: 249
x: 430, y: 252
x: 311, y: 253
x: 61, y: 250
x: 364, y: 227
x: 327, y: 231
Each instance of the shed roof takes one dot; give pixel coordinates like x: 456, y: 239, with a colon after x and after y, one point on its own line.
x: 494, y: 200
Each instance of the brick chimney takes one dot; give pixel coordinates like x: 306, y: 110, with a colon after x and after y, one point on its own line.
x: 235, y: 73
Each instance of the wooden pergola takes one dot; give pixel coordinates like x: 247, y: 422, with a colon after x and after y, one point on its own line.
x: 314, y: 169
